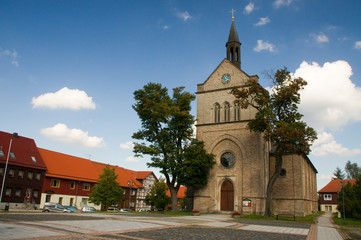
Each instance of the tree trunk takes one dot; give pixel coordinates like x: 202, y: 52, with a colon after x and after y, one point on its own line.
x: 278, y: 167
x: 189, y: 199
x: 173, y: 194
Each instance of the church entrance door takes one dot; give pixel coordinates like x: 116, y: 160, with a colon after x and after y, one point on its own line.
x: 227, y: 196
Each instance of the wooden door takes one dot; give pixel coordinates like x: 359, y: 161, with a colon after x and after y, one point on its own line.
x: 227, y: 196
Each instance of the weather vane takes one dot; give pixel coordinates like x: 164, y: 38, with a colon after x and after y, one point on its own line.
x: 232, y: 14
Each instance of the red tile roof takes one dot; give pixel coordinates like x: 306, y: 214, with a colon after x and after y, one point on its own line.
x: 144, y: 174
x: 23, y: 148
x: 69, y: 167
x: 335, y: 186
x: 181, y: 192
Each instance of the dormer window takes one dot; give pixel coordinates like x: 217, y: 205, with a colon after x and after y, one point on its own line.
x: 2, y: 153
x: 33, y: 158
x: 12, y: 155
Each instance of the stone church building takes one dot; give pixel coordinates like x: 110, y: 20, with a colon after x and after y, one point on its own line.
x: 244, y: 163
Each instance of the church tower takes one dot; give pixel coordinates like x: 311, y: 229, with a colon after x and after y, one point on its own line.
x: 238, y: 181
x: 234, y: 46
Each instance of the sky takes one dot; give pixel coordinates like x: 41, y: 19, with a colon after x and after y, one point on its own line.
x: 68, y: 69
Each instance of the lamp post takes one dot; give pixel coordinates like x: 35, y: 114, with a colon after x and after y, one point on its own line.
x: 6, y: 167
x: 343, y: 200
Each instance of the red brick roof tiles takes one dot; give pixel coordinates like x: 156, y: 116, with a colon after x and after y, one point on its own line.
x: 335, y: 186
x: 23, y: 148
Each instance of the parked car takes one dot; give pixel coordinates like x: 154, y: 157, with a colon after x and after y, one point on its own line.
x: 126, y: 210
x: 72, y: 208
x: 113, y: 209
x: 88, y: 209
x: 54, y: 207
x: 143, y: 210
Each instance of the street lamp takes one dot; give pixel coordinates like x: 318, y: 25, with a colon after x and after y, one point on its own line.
x: 6, y: 167
x: 343, y: 200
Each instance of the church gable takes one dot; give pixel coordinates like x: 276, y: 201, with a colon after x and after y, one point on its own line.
x: 225, y: 76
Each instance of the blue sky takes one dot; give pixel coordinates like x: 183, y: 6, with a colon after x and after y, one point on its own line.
x: 68, y: 69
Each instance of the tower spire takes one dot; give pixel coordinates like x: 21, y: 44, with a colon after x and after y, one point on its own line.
x: 233, y: 45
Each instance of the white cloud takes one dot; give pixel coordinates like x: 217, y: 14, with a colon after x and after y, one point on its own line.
x: 262, y: 21
x: 131, y: 159
x: 60, y: 132
x: 183, y: 15
x: 249, y: 8
x: 320, y: 38
x: 127, y: 145
x: 263, y: 46
x: 280, y: 3
x: 73, y: 99
x: 330, y: 100
x: 326, y: 145
x: 324, y: 177
x: 165, y: 27
x: 13, y: 55
x: 358, y: 45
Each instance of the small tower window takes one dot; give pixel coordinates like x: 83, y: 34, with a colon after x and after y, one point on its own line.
x: 227, y: 114
x: 237, y: 111
x: 217, y: 113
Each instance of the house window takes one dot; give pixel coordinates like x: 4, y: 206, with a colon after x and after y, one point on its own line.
x: 84, y: 201
x: 8, y: 192
x: 2, y: 171
x: 1, y: 153
x: 21, y: 174
x: 48, y: 198
x: 36, y: 194
x: 18, y: 192
x: 71, y: 201
x: 11, y: 172
x: 12, y: 155
x: 30, y: 175
x: 132, y: 192
x: 327, y: 197
x: 38, y: 176
x: 86, y: 187
x: 72, y: 185
x: 55, y: 183
x: 60, y: 200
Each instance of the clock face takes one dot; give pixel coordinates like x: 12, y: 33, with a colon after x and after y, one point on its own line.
x: 227, y: 160
x: 226, y: 78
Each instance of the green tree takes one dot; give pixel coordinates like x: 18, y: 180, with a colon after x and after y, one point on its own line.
x: 157, y: 196
x: 107, y: 191
x: 352, y: 195
x: 166, y: 132
x: 353, y: 171
x: 278, y: 119
x: 338, y: 174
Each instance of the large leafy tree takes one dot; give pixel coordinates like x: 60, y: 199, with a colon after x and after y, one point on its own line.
x: 351, y: 196
x: 157, y: 196
x: 107, y: 191
x: 278, y: 119
x: 166, y: 130
x: 353, y: 171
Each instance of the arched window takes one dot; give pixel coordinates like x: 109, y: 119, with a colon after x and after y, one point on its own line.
x: 217, y: 113
x: 237, y: 111
x: 227, y: 113
x: 231, y: 55
x: 236, y: 52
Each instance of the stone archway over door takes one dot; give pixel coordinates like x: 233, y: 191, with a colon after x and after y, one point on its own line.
x: 227, y: 196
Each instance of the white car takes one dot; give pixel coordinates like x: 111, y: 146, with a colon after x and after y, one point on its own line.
x: 88, y: 209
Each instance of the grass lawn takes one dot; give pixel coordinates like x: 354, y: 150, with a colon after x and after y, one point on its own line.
x: 307, y: 219
x: 351, y: 226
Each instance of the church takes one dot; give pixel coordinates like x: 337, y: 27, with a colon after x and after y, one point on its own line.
x: 244, y: 162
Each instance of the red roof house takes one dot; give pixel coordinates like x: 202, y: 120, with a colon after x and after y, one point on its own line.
x: 328, y: 195
x: 24, y: 172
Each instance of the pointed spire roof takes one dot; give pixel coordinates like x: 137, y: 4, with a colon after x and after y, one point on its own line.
x: 233, y: 35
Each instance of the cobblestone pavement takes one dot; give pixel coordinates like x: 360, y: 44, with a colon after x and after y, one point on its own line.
x: 122, y: 226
